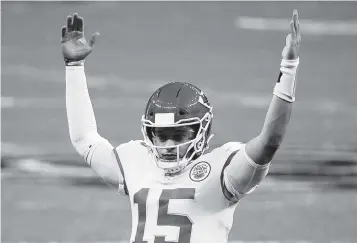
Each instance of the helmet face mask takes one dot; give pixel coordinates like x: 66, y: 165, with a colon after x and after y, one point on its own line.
x: 176, y: 128
x: 179, y: 135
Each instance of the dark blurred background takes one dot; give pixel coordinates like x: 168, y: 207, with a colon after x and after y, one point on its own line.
x: 232, y: 51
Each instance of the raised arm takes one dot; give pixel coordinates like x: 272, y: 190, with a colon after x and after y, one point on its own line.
x: 250, y: 164
x: 262, y: 148
x: 94, y: 149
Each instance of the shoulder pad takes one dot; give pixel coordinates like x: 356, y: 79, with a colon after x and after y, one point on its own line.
x: 232, y: 146
x: 131, y: 143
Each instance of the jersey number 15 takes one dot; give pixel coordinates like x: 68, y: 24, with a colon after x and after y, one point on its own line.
x: 163, y: 218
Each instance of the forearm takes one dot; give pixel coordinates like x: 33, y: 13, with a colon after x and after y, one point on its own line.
x: 81, y: 120
x: 262, y: 148
x: 276, y: 122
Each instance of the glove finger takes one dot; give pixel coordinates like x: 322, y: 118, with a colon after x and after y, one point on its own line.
x: 93, y: 38
x: 297, y: 28
x: 288, y: 40
x: 75, y: 21
x: 292, y: 30
x: 80, y: 24
x: 69, y: 23
x: 64, y: 31
x: 295, y: 16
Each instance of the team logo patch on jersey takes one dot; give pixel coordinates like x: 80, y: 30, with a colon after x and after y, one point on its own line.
x: 200, y: 171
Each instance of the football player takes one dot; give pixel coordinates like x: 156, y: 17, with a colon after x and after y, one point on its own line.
x: 177, y: 192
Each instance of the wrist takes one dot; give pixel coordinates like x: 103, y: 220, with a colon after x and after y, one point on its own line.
x: 286, y: 83
x: 289, y: 63
x: 73, y: 62
x: 75, y: 68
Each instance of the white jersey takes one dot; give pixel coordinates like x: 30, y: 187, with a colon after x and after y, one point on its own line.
x: 193, y: 207
x: 188, y: 208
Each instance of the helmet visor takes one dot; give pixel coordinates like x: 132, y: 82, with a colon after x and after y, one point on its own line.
x: 172, y: 143
x: 177, y: 135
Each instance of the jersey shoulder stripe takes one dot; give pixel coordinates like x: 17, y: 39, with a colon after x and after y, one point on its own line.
x: 121, y: 170
x: 225, y: 191
x: 128, y: 156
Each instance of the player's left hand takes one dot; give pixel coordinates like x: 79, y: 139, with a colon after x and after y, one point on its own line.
x: 73, y: 42
x: 291, y: 49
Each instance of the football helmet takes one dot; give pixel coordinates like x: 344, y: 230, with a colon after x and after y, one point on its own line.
x: 173, y: 105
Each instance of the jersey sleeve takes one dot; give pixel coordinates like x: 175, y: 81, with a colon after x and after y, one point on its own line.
x: 241, y: 175
x: 102, y: 158
x: 123, y: 189
x: 92, y: 147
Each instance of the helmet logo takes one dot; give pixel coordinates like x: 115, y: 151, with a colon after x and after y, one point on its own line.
x: 164, y: 118
x: 203, y: 102
x: 200, y: 171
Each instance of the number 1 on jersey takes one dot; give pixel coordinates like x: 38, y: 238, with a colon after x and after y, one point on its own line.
x: 164, y: 219
x: 140, y: 198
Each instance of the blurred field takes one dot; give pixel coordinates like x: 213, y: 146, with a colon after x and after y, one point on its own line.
x: 143, y: 45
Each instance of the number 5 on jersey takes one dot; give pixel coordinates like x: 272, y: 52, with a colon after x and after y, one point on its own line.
x: 183, y: 222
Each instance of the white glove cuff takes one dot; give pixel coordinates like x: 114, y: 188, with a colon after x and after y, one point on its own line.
x: 74, y: 63
x: 285, y: 86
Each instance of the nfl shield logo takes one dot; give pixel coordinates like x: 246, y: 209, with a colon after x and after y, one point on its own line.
x: 200, y: 171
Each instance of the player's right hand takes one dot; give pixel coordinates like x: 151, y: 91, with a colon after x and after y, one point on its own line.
x: 293, y: 39
x: 74, y: 45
